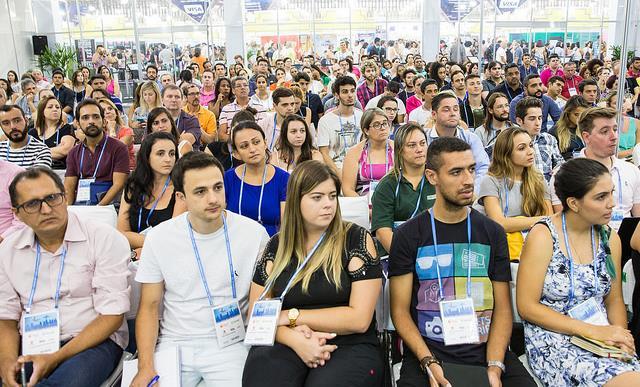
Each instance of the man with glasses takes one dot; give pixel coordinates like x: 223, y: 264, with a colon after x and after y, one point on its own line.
x: 571, y: 81
x: 391, y: 89
x: 188, y: 125
x: 67, y: 272
x: 240, y: 88
x: 205, y: 117
x: 20, y: 148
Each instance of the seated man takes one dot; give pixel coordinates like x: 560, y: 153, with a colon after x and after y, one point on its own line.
x: 186, y: 264
x: 98, y: 82
x: 88, y: 262
x: 20, y: 148
x: 98, y: 167
x: 431, y: 275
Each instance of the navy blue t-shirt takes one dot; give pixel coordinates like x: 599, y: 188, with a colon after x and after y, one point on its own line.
x: 275, y: 191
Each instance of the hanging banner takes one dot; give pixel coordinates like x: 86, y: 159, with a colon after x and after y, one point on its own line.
x: 196, y: 9
x: 508, y: 6
x: 456, y: 10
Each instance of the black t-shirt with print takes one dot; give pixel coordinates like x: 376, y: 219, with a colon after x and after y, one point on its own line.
x: 412, y: 251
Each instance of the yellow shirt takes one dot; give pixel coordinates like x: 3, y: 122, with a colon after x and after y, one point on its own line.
x: 206, y: 119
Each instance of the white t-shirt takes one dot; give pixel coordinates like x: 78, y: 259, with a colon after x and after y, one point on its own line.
x: 339, y: 133
x: 267, y: 124
x: 168, y: 256
x: 501, y: 55
x: 373, y: 102
x: 420, y: 115
x: 621, y: 172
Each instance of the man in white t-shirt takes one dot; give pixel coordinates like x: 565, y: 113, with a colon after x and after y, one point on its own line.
x: 194, y: 264
x: 422, y: 115
x: 339, y: 129
x: 501, y: 52
x: 271, y: 122
x: 599, y: 132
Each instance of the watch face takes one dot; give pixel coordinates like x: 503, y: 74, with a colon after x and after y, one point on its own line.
x: 293, y: 314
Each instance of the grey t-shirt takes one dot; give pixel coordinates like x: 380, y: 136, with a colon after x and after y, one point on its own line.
x: 497, y: 187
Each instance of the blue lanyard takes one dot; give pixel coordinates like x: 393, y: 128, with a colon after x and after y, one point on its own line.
x: 58, y: 135
x: 506, y: 87
x: 24, y: 152
x: 95, y: 171
x: 273, y: 135
x: 619, y: 185
x: 435, y: 248
x: 264, y: 177
x: 415, y: 211
x: 570, y: 257
x: 34, y: 284
x: 295, y: 274
x: 201, y: 268
x: 355, y: 124
x: 166, y: 184
x: 386, y: 159
x: 506, y: 197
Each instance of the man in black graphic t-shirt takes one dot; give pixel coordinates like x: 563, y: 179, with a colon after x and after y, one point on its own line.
x: 472, y: 258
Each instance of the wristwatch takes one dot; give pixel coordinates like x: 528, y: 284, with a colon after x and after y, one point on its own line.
x: 426, y: 361
x: 497, y: 363
x: 134, y: 256
x: 293, y: 317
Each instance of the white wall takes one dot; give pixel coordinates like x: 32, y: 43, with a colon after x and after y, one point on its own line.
x: 16, y: 50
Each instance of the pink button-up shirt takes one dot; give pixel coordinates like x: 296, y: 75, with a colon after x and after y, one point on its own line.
x: 94, y: 281
x: 8, y: 222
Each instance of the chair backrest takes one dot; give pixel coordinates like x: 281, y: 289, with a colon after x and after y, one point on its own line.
x: 512, y: 285
x: 104, y: 214
x: 628, y: 284
x: 355, y: 210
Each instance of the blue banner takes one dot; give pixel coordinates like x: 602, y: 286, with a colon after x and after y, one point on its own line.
x: 456, y: 10
x: 507, y: 6
x: 196, y: 9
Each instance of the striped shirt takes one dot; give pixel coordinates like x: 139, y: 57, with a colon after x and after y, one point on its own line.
x: 34, y: 154
x: 230, y: 110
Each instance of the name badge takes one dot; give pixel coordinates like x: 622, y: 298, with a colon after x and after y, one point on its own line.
x: 372, y: 188
x: 616, y: 219
x: 573, y: 91
x: 575, y: 154
x: 229, y: 324
x: 84, y: 190
x: 459, y: 322
x: 590, y: 312
x: 41, y: 333
x: 263, y: 323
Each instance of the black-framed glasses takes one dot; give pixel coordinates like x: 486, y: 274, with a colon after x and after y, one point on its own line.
x: 35, y: 205
x: 379, y: 125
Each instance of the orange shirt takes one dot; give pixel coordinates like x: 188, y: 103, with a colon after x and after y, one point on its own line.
x: 200, y: 61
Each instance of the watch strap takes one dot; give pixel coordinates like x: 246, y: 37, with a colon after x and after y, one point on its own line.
x: 426, y: 361
x: 497, y: 363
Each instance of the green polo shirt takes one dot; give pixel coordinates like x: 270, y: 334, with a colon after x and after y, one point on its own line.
x: 387, y: 208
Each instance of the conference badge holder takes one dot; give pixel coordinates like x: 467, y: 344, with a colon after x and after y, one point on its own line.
x: 590, y: 312
x: 459, y: 322
x: 263, y: 323
x: 41, y: 332
x: 228, y: 323
x: 84, y: 190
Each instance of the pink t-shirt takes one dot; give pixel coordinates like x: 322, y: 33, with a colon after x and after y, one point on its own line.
x: 413, y: 102
x: 123, y: 132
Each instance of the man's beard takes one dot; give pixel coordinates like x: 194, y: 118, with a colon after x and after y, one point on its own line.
x: 501, y: 119
x: 92, y: 131
x: 21, y: 135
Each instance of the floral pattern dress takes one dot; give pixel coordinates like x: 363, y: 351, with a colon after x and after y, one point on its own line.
x: 552, y: 357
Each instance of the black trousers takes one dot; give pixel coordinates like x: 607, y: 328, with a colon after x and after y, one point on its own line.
x: 412, y: 376
x: 279, y: 366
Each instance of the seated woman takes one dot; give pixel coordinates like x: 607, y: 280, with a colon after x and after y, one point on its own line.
x: 570, y: 268
x: 294, y: 144
x: 326, y: 334
x: 281, y: 79
x: 369, y: 160
x: 566, y: 129
x: 80, y: 87
x: 149, y: 100
x: 115, y: 128
x: 51, y: 129
x: 255, y: 189
x: 405, y: 191
x: 159, y: 120
x: 389, y: 106
x: 513, y: 192
x: 148, y: 198
x: 262, y: 96
x: 300, y: 105
x: 113, y: 88
x: 629, y: 134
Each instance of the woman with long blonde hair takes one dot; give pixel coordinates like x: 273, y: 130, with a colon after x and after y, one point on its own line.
x: 566, y: 129
x: 514, y: 192
x: 326, y: 330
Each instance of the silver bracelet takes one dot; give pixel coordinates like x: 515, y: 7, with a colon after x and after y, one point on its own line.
x: 497, y: 363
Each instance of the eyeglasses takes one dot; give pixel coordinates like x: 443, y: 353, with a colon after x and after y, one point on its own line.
x: 195, y: 94
x: 35, y: 205
x: 390, y: 109
x: 379, y: 125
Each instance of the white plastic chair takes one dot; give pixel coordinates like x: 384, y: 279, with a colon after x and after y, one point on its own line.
x: 355, y: 210
x: 628, y: 284
x: 512, y: 285
x: 114, y: 379
x: 104, y: 214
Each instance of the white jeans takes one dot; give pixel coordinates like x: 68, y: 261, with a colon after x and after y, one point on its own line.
x: 201, y: 360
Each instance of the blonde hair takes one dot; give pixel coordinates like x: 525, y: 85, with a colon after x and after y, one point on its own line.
x: 563, y: 131
x: 532, y: 189
x: 119, y: 122
x: 292, y: 237
x: 150, y: 85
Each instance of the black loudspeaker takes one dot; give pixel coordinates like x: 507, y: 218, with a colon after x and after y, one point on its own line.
x: 39, y: 44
